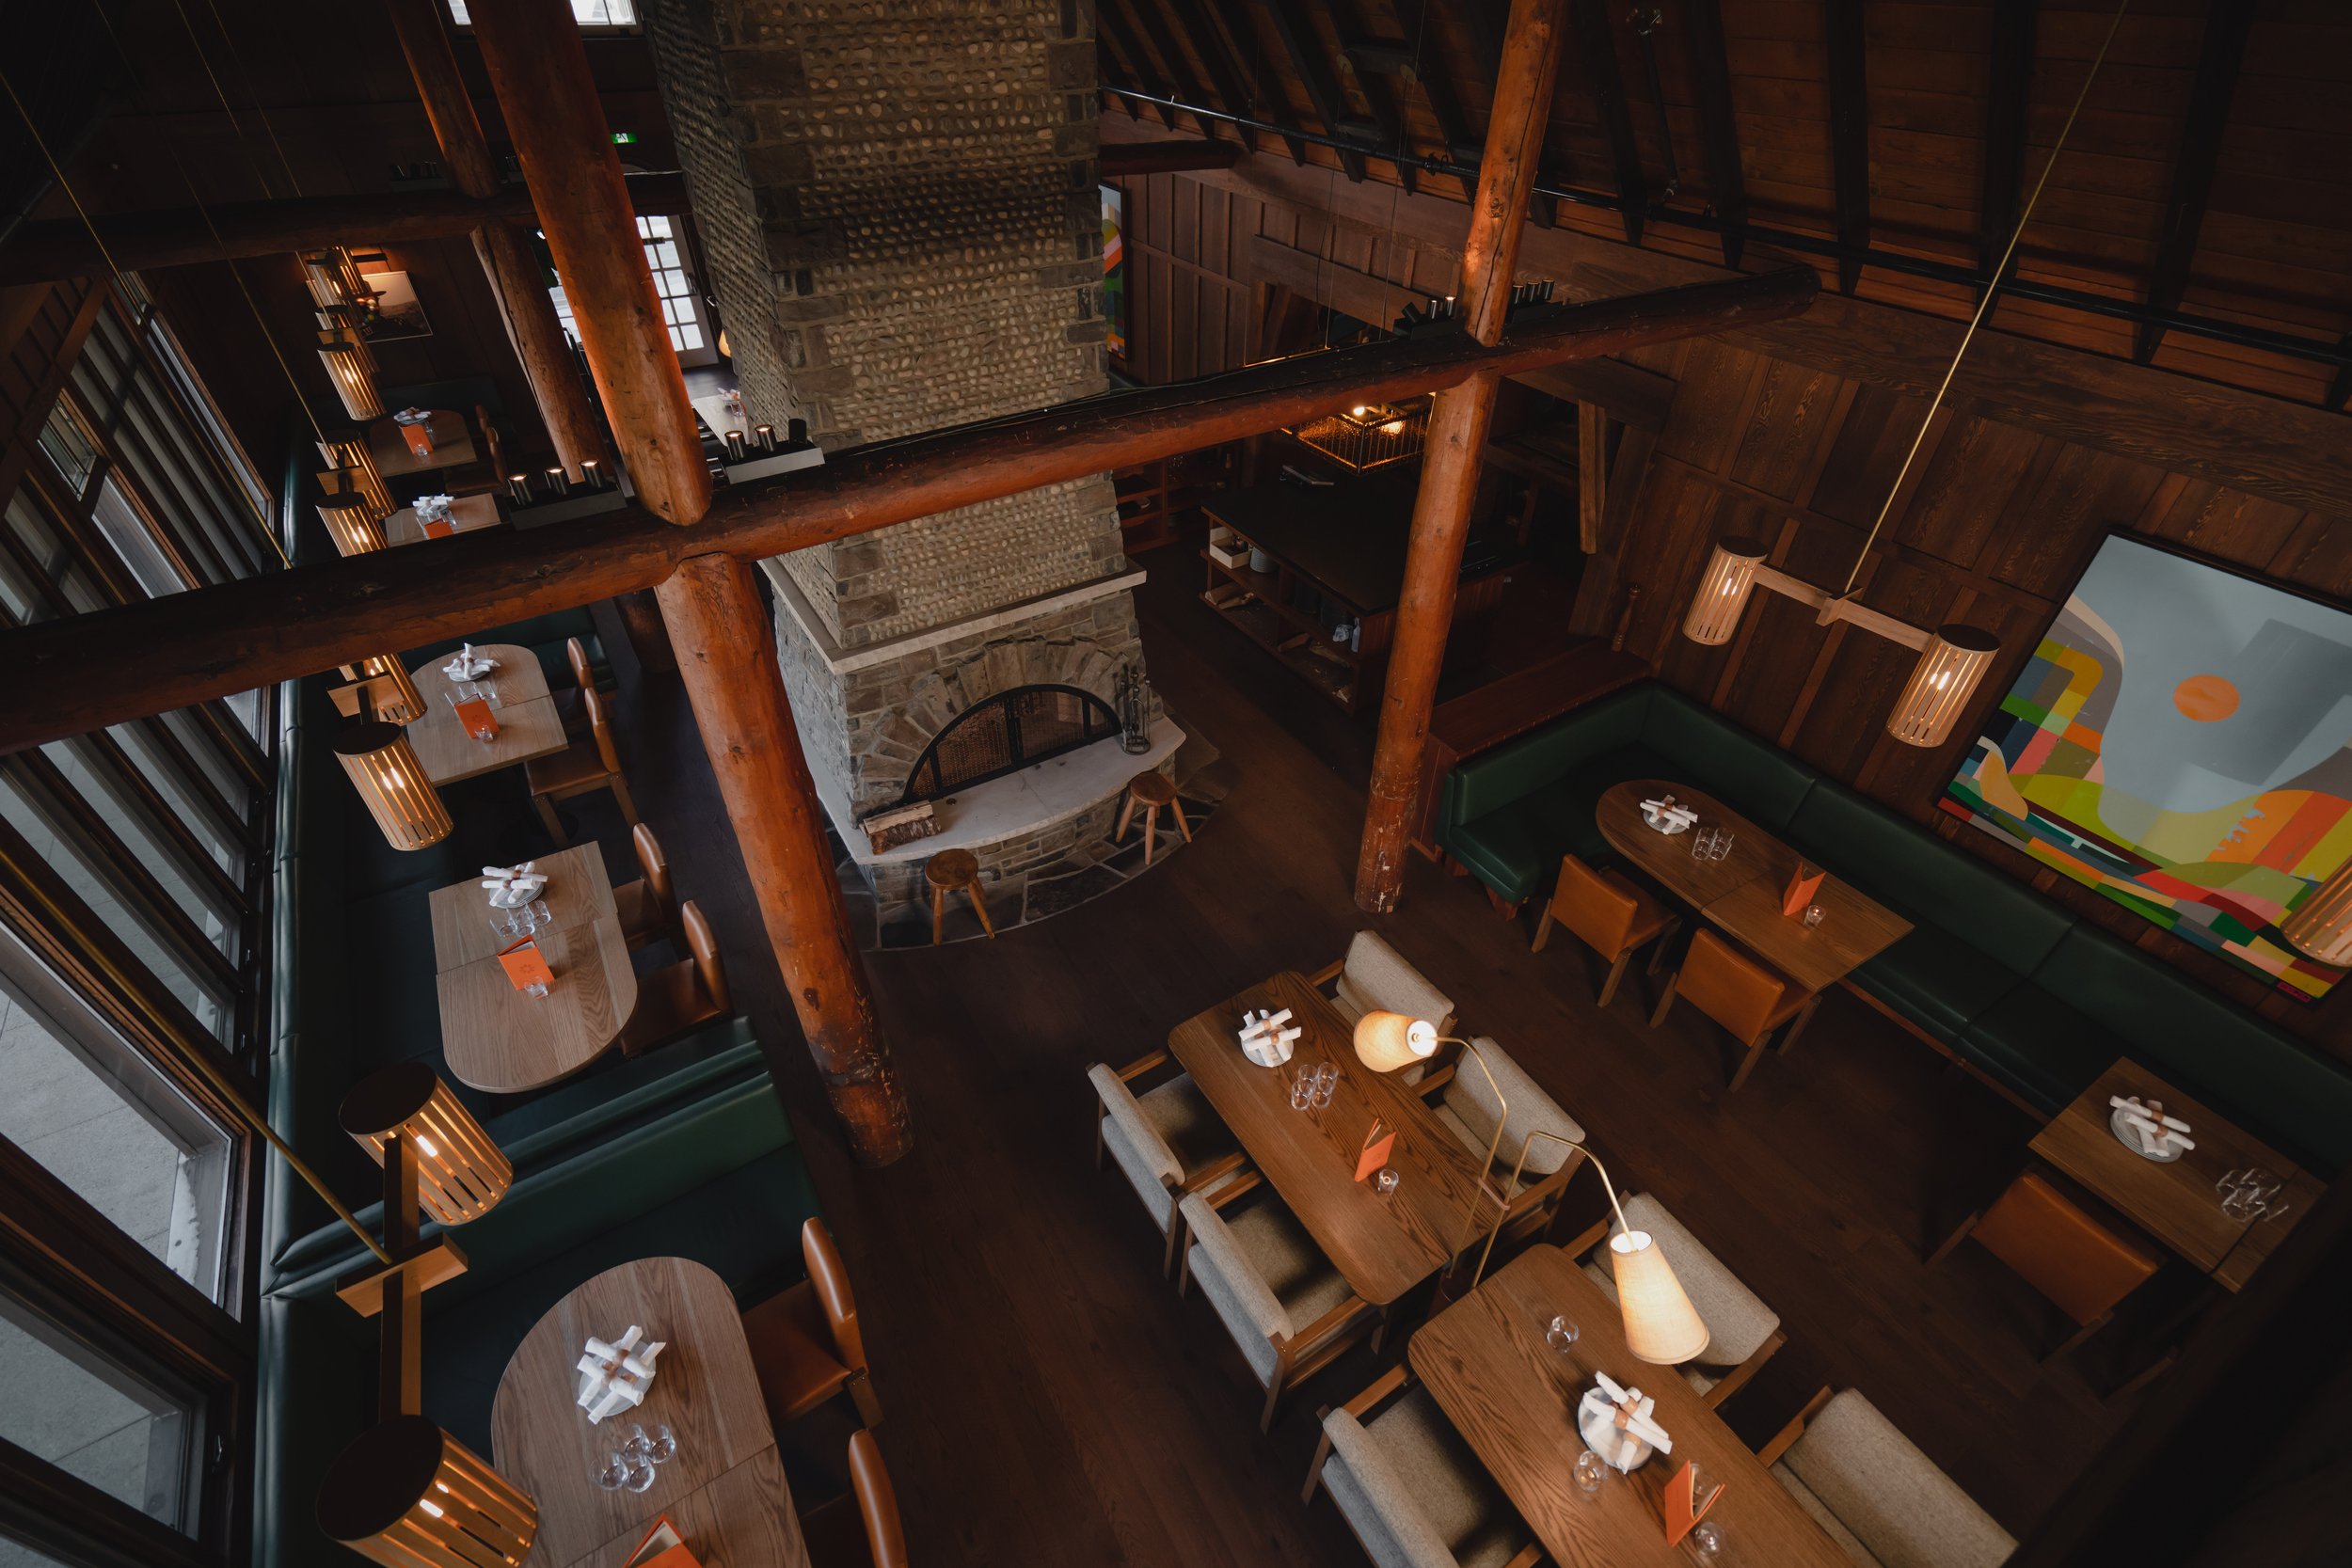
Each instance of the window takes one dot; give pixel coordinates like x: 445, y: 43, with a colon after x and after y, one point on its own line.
x: 74, y: 1407
x: 615, y: 14
x: 69, y: 445
x: 680, y: 309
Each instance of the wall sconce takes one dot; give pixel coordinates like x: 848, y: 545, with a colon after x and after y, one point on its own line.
x: 380, y: 688
x: 334, y: 277
x: 352, y: 522
x: 2321, y: 926
x: 460, y: 1173
x: 399, y: 794
x: 1952, y: 659
x: 346, y: 454
x: 351, y: 369
x: 407, y: 1493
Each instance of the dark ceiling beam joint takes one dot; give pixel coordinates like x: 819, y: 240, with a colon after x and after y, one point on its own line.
x: 1151, y: 22
x: 1388, y: 120
x: 1426, y: 66
x: 2209, y: 98
x: 1305, y: 48
x: 2008, y: 101
x: 1208, y: 42
x: 1240, y: 42
x: 1596, y: 50
x: 1111, y: 32
x: 1848, y: 133
x: 1719, y: 126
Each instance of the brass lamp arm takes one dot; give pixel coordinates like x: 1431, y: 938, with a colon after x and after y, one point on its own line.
x: 1525, y: 1144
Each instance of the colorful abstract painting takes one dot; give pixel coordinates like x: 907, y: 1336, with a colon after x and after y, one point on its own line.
x: 2181, y: 741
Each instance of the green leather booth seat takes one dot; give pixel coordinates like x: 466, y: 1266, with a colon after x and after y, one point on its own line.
x: 715, y: 1179
x: 2036, y: 1000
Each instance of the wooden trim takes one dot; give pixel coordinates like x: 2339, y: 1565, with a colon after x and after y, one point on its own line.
x: 2218, y: 56
x: 1719, y: 130
x: 1843, y: 37
x: 66, y: 1516
x: 2007, y: 99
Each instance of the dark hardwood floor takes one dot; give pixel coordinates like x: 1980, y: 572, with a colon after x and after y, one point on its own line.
x: 1050, y: 1400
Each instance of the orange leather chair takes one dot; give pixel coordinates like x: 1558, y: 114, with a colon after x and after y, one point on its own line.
x: 1743, y: 994
x: 2060, y: 1250
x: 570, y: 703
x: 648, y: 906
x: 862, y: 1529
x: 680, y: 996
x: 580, y: 769
x: 805, y: 1343
x: 1609, y: 915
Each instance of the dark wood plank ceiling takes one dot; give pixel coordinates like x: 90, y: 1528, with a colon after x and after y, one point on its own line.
x: 2210, y: 174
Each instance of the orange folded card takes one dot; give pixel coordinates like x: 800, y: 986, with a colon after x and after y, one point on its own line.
x: 438, y: 527
x: 1374, y: 1154
x: 1801, y: 889
x: 420, y: 439
x: 478, y: 719
x: 525, y: 965
x: 1683, y: 1509
x: 662, y: 1547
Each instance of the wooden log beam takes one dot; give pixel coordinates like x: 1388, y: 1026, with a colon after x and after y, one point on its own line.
x: 2007, y: 98
x: 1131, y: 62
x: 81, y: 672
x: 1428, y: 69
x: 1237, y: 40
x: 1719, y: 125
x: 1305, y: 47
x: 1176, y: 66
x: 1364, y: 60
x: 539, y: 70
x: 1459, y: 422
x: 1125, y: 159
x: 505, y: 252
x: 726, y: 655
x: 1597, y: 51
x: 59, y: 249
x: 2209, y: 98
x: 1209, y: 44
x: 1849, y: 133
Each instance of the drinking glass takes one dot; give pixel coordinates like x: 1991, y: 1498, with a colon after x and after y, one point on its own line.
x: 1561, y: 1333
x: 1700, y: 839
x: 1708, y: 1538
x: 640, y: 1477
x: 612, y: 1473
x: 1591, y: 1470
x: 537, y: 987
x: 665, y: 1446
x: 1386, y: 1181
x: 1813, y: 916
x: 489, y: 689
x: 1303, y: 1090
x: 1722, y: 846
x: 637, y: 1445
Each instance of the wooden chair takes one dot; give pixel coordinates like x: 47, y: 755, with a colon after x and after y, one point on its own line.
x: 1465, y: 1102
x: 1742, y: 1333
x: 1743, y: 994
x: 648, y: 906
x: 570, y: 703
x: 1408, y: 1485
x: 582, y: 768
x: 2060, y: 1250
x: 1609, y: 915
x: 1289, y: 1312
x: 680, y: 996
x: 806, y: 1346
x: 1371, y: 976
x: 1167, y: 1140
x: 862, y: 1529
x: 1878, y: 1498
x: 487, y: 473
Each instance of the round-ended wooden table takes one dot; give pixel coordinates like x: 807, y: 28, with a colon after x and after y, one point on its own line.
x: 724, y: 1491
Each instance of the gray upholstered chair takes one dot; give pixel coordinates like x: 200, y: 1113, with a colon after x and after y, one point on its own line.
x: 1167, y: 1140
x: 1466, y: 1104
x: 1742, y: 1332
x: 1876, y: 1493
x: 1374, y: 977
x: 1283, y: 1302
x: 1410, y: 1488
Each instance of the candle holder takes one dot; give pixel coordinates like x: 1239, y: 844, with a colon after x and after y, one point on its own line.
x: 519, y: 489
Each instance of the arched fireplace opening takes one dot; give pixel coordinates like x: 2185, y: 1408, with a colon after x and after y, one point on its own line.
x: 1005, y: 733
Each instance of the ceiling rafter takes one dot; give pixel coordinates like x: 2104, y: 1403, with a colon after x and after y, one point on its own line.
x: 1223, y: 81
x: 1369, y: 62
x: 1848, y: 133
x: 1175, y: 70
x: 2008, y: 100
x: 1305, y: 47
x: 1596, y: 50
x: 2219, y: 57
x: 1112, y: 35
x: 1719, y: 127
x: 1427, y: 68
x: 1239, y: 44
x: 1488, y: 20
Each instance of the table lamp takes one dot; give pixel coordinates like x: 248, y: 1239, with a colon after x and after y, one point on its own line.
x: 1660, y: 1324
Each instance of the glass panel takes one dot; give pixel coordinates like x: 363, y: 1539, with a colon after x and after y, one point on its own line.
x: 42, y: 543
x: 120, y: 523
x: 69, y: 1406
x: 665, y: 253
x: 688, y: 336
x: 16, y: 1554
x: 87, y: 1107
x: 201, y: 901
x: 233, y: 456
x: 656, y: 228
x: 226, y: 781
x: 588, y: 13
x: 164, y: 774
x: 674, y: 284
x: 70, y: 446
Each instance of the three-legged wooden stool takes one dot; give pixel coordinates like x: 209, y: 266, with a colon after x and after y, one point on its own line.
x: 1152, y: 791
x: 945, y: 872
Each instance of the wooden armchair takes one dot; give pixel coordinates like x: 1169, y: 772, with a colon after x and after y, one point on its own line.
x: 1167, y: 1140
x: 680, y: 996
x: 1876, y: 1493
x: 1743, y: 1332
x: 807, y: 1345
x: 648, y: 906
x: 582, y: 768
x: 1408, y: 1478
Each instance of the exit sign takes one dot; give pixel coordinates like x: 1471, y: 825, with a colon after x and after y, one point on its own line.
x: 624, y: 139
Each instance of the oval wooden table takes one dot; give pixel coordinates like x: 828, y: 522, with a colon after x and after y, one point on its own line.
x: 1741, y: 892
x: 725, y: 1490
x: 529, y: 725
x: 453, y: 443
x: 466, y: 513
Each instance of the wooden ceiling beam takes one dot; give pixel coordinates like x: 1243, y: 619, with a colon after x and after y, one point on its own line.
x: 1305, y: 48
x: 55, y: 249
x: 1111, y: 33
x: 1596, y: 48
x: 1849, y: 133
x: 1719, y: 125
x: 2007, y: 99
x: 1427, y: 68
x: 2209, y: 98
x: 1152, y: 26
x: 82, y: 672
x: 1209, y: 44
x: 1367, y: 62
x: 1487, y: 20
x: 1238, y: 41
x: 1125, y: 159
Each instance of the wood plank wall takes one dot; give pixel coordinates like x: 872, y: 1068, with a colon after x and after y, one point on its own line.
x: 1994, y: 525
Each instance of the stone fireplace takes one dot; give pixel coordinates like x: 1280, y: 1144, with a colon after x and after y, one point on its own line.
x: 904, y: 229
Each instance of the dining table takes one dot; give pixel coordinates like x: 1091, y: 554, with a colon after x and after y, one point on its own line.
x: 453, y: 443
x: 1741, y: 892
x: 466, y: 513
x: 724, y: 1490
x: 529, y: 725
x: 502, y: 1039
x: 1488, y: 1364
x: 2176, y: 1201
x: 1382, y: 1245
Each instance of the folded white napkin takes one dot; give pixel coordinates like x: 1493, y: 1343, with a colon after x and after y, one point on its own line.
x: 468, y: 665
x: 1666, y: 816
x: 512, y: 884
x: 1264, y: 1039
x: 431, y: 509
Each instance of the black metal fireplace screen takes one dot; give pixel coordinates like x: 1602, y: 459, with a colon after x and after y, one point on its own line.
x: 1005, y: 734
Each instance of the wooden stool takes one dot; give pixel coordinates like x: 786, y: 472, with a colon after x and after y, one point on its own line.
x: 1152, y: 791
x: 946, y: 871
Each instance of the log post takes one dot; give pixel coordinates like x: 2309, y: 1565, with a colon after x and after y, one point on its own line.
x: 1457, y: 442
x: 505, y: 251
x: 726, y: 654
x: 539, y: 70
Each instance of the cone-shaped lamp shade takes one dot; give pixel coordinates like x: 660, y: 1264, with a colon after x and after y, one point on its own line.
x: 2321, y: 925
x: 460, y: 1173
x: 1945, y: 677
x: 389, y: 778
x: 1660, y: 1324
x: 351, y: 522
x: 1387, y: 1041
x: 392, y: 694
x: 353, y: 371
x: 347, y: 456
x: 407, y: 1494
x: 1723, y: 592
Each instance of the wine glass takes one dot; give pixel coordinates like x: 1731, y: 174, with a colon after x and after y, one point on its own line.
x: 1561, y: 1333
x: 612, y: 1473
x: 1590, y: 1470
x: 663, y: 1447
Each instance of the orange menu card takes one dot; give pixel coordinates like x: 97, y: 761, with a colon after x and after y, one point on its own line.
x: 477, y: 719
x: 526, y: 965
x: 1801, y: 889
x: 1682, y: 1509
x: 662, y: 1547
x: 438, y: 527
x: 420, y: 439
x: 1376, y: 1152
